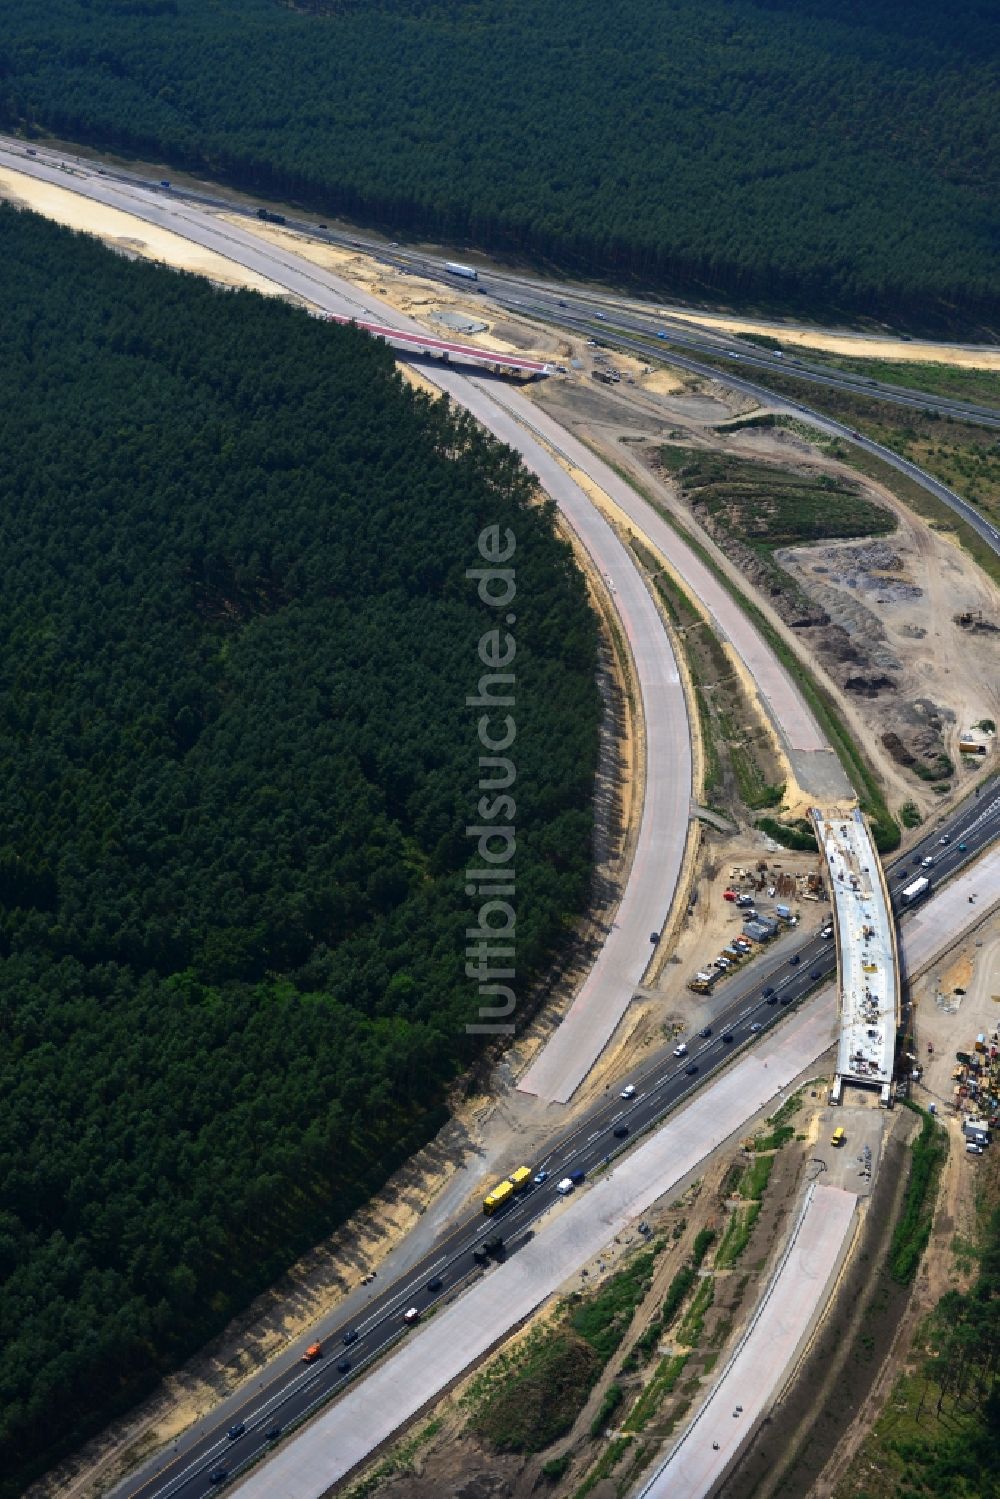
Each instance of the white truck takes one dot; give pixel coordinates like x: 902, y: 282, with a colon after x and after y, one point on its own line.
x: 916, y: 890
x: 467, y: 272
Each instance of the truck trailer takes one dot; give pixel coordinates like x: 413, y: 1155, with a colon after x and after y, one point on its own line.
x: 500, y: 1194
x: 467, y: 272
x: 916, y: 890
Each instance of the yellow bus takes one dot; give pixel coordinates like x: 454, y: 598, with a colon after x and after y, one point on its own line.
x: 520, y: 1178
x: 838, y: 1135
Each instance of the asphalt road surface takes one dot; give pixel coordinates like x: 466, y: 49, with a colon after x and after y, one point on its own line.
x: 742, y: 1010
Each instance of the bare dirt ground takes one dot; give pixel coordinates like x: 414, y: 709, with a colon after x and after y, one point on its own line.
x: 489, y: 1133
x: 857, y: 345
x: 954, y: 1001
x: 908, y: 649
x: 124, y: 232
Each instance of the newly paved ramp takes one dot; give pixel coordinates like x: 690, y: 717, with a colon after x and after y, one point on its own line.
x: 820, y: 771
x: 607, y: 990
x: 766, y: 1354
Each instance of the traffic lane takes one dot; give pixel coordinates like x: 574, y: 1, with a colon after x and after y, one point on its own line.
x: 655, y: 1096
x: 674, y: 336
x: 383, y: 1326
x: 702, y: 340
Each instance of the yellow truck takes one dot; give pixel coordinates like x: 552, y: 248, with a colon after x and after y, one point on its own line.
x: 838, y: 1135
x: 501, y: 1193
x: 504, y: 1191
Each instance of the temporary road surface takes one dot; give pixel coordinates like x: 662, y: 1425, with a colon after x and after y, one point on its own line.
x: 434, y: 1356
x: 662, y: 831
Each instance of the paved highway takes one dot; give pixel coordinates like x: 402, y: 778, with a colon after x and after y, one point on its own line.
x: 552, y: 298
x: 744, y: 1006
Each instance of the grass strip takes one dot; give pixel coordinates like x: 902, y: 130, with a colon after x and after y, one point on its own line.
x: 659, y: 1387
x: 691, y: 1329
x: 737, y: 1236
x: 927, y: 1156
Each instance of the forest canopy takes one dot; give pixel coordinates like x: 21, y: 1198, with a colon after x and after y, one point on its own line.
x: 237, y: 767
x: 836, y: 155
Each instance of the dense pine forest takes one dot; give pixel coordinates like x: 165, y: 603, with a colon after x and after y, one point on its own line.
x: 236, y: 771
x: 832, y: 155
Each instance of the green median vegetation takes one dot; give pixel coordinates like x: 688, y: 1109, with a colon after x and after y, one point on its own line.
x: 927, y: 1156
x: 529, y: 1396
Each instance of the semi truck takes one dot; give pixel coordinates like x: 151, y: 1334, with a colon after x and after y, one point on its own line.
x: 704, y: 982
x: 916, y: 890
x: 467, y: 272
x: 269, y: 217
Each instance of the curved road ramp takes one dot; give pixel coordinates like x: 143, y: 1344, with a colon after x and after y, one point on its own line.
x: 767, y: 1353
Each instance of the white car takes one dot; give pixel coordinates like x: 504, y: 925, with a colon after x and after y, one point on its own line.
x: 411, y: 1316
x: 681, y: 1050
x: 628, y: 1091
x: 565, y: 1187
x: 756, y: 1026
x: 928, y: 862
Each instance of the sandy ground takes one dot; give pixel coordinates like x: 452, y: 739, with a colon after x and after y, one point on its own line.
x: 413, y: 295
x: 935, y: 677
x: 949, y: 1021
x: 123, y: 231
x: 856, y: 345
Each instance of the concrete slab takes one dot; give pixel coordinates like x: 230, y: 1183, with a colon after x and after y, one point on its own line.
x: 436, y: 1354
x: 758, y: 1369
x: 784, y: 704
x: 607, y: 990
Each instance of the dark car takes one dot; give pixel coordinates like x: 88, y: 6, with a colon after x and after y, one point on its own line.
x: 236, y: 1431
x: 351, y: 1336
x: 621, y: 1130
x: 576, y: 1177
x: 962, y: 847
x: 344, y: 1366
x: 707, y: 1032
x: 786, y: 999
x: 272, y: 1434
x: 692, y: 1069
x: 218, y: 1475
x: 435, y: 1283
x: 814, y: 973
x: 727, y: 1035
x: 794, y: 960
